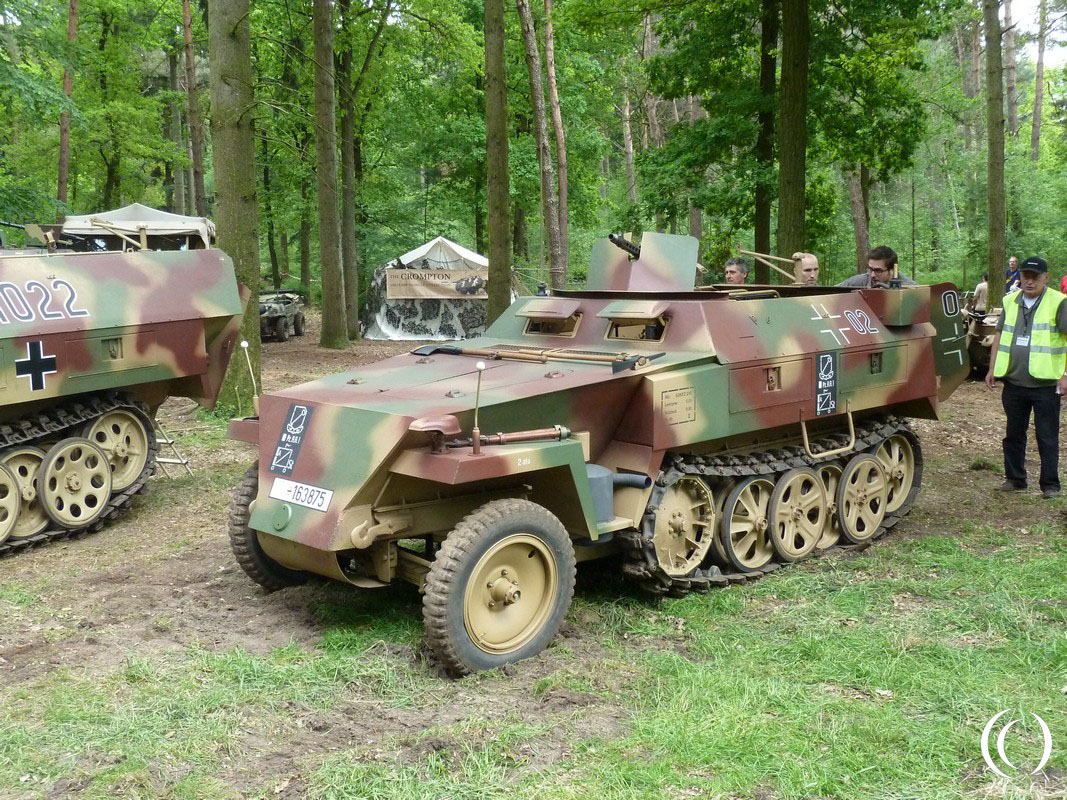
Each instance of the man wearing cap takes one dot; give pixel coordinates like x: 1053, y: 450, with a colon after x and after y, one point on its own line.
x: 1030, y: 357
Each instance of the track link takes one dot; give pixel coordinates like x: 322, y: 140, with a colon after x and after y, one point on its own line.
x: 67, y: 420
x: 641, y: 564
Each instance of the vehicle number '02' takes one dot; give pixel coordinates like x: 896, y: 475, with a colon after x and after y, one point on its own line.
x: 36, y: 301
x: 301, y: 494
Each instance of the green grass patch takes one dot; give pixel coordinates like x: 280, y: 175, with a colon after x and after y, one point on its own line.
x: 857, y: 676
x: 18, y: 597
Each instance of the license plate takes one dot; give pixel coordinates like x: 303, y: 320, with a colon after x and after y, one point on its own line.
x: 301, y: 494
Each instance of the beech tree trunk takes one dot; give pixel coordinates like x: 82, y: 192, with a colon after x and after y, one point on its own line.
x: 178, y: 203
x: 64, y: 117
x: 1039, y: 83
x: 768, y: 85
x: 651, y: 101
x: 233, y: 141
x: 196, y: 128
x: 628, y: 148
x: 519, y: 236
x: 275, y: 271
x: 792, y: 150
x: 557, y: 268
x: 349, y: 261
x: 496, y: 161
x: 305, y: 236
x: 283, y: 254
x: 696, y: 217
x: 557, y: 124
x: 334, y: 327
x: 995, y: 157
x: 1009, y: 71
x: 857, y: 198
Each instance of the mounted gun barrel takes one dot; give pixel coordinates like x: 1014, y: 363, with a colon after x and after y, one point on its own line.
x: 622, y: 243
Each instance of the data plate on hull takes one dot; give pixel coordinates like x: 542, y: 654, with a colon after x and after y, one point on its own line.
x: 301, y: 494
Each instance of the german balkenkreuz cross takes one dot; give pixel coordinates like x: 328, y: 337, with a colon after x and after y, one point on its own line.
x: 35, y: 365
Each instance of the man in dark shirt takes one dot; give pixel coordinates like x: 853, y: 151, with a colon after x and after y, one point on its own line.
x: 881, y: 268
x: 1032, y: 363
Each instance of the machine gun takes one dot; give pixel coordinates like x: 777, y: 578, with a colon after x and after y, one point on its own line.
x: 622, y: 243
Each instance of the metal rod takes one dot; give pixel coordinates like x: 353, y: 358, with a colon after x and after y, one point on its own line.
x: 762, y: 258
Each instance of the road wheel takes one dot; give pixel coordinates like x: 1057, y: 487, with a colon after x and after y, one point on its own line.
x: 861, y: 498
x: 9, y: 502
x: 830, y: 475
x: 74, y: 482
x: 901, y: 456
x: 123, y: 434
x: 685, y: 526
x: 244, y: 541
x: 298, y: 325
x: 25, y: 464
x: 281, y: 329
x: 499, y: 587
x: 797, y: 514
x: 743, y: 530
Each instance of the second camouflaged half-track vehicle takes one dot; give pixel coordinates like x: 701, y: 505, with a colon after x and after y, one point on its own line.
x: 707, y: 435
x: 90, y: 346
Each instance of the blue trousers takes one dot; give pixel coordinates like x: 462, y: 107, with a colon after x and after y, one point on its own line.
x: 1019, y: 402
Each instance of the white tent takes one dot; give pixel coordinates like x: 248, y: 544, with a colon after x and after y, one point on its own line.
x: 440, y: 253
x: 131, y: 220
x: 436, y: 292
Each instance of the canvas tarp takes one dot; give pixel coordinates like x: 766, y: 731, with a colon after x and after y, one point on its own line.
x: 130, y: 219
x: 436, y: 292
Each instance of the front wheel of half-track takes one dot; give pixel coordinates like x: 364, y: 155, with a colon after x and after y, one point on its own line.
x: 499, y: 587
x: 244, y: 541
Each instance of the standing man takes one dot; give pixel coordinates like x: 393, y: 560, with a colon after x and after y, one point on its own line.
x: 736, y: 271
x: 881, y: 268
x: 1032, y: 362
x: 981, y: 294
x: 1011, y: 275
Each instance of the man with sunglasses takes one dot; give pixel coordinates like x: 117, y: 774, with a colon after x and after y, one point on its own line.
x: 881, y: 269
x: 1030, y: 358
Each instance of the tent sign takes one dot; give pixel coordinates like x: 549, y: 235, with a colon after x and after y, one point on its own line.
x: 451, y: 284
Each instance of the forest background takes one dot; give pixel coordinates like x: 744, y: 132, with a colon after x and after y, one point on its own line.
x: 675, y: 116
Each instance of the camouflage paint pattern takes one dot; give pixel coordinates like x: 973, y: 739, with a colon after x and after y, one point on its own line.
x: 723, y: 367
x: 151, y: 323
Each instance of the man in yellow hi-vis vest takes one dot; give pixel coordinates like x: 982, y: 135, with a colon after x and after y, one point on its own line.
x: 1030, y: 356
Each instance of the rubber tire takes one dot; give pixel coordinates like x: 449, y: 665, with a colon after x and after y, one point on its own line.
x: 42, y: 475
x: 446, y: 582
x: 848, y: 536
x: 138, y: 410
x: 298, y: 325
x: 281, y: 329
x: 724, y: 525
x: 244, y: 541
x: 772, y: 521
x: 894, y: 516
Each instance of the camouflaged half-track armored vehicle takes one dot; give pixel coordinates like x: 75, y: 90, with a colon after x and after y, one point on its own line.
x: 707, y: 435
x: 90, y: 346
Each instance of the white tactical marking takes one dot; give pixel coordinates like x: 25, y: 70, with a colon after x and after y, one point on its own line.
x: 832, y: 333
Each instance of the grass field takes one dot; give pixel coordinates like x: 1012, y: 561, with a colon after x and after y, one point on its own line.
x: 858, y: 675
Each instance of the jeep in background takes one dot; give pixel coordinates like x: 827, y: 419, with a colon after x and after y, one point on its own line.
x: 280, y: 313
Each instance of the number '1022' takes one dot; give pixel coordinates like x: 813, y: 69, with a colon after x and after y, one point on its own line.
x: 37, y: 301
